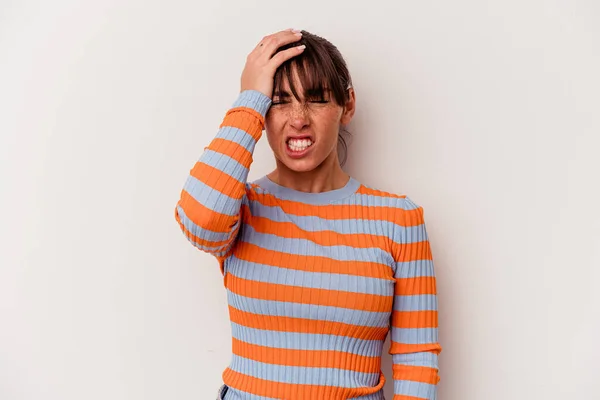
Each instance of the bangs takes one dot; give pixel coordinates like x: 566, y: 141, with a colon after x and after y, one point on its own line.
x: 317, y: 76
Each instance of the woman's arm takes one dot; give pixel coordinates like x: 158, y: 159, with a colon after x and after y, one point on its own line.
x: 414, y: 322
x: 209, y: 209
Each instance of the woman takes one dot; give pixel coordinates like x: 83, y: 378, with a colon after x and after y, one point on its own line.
x: 318, y: 267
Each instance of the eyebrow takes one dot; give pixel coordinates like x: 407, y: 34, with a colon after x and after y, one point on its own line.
x: 308, y: 93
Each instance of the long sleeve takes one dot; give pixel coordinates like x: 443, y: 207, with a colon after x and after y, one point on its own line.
x: 414, y: 322
x: 209, y: 210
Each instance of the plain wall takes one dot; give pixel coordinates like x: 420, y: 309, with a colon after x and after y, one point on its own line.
x: 486, y: 113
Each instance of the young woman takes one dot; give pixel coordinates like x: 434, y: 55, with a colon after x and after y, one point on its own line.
x: 318, y: 267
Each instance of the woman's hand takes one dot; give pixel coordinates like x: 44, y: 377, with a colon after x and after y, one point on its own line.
x: 260, y: 66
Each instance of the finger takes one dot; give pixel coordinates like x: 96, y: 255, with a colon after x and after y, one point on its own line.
x: 273, y: 35
x: 264, y: 40
x: 269, y: 45
x: 285, y: 55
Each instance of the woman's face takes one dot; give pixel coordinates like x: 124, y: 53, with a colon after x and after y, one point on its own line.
x: 303, y: 134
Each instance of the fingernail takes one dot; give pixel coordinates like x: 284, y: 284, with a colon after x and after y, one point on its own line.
x: 297, y: 31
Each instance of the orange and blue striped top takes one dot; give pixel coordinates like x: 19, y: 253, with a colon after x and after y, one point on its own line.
x: 314, y: 281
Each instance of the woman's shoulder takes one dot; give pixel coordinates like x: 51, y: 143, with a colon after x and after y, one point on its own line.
x: 387, y: 197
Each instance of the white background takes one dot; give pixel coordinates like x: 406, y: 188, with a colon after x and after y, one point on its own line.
x: 486, y: 113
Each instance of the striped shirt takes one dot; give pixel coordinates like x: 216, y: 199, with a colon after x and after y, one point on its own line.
x: 314, y: 281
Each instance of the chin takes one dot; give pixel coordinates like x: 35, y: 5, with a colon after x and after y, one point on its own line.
x: 300, y: 165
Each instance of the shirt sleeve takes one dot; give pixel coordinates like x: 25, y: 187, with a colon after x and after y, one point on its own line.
x: 414, y: 321
x: 210, y: 210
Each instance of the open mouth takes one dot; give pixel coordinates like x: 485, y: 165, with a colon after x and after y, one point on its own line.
x: 299, y: 145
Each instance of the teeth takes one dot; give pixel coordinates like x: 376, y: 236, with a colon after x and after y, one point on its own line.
x: 299, y: 145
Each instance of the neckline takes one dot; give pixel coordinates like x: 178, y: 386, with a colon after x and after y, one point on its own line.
x: 330, y: 196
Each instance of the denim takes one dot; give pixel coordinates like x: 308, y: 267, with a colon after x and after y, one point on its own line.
x: 221, y: 392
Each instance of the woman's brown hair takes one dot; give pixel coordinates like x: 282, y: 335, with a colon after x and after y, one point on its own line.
x: 320, y: 67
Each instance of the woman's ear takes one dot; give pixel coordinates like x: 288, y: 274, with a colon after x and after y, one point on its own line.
x: 349, y: 107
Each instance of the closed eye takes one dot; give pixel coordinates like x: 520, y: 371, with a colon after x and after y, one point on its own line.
x: 275, y: 103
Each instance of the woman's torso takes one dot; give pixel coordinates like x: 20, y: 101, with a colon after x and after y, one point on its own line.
x: 310, y: 289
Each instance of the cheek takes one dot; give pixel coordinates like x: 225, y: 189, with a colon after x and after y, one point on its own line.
x: 333, y: 120
x: 273, y: 130
x: 329, y: 122
x: 274, y: 122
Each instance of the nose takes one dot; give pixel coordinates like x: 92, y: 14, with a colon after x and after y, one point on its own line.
x: 298, y: 116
